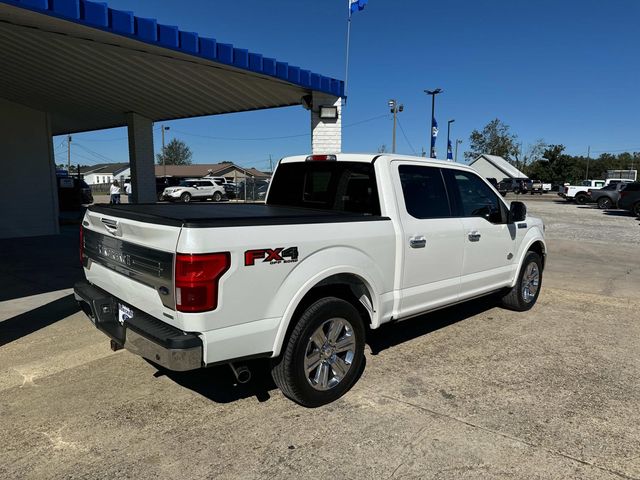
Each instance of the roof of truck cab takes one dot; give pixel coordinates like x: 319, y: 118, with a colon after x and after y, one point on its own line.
x: 370, y: 157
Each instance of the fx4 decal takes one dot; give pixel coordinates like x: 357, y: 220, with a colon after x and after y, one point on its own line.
x: 272, y: 256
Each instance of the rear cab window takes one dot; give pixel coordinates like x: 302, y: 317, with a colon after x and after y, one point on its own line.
x: 326, y: 185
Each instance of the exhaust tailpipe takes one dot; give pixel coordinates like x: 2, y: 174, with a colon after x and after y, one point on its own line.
x: 242, y: 373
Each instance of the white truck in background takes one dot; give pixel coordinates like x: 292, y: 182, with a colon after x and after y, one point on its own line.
x: 343, y: 242
x: 580, y: 193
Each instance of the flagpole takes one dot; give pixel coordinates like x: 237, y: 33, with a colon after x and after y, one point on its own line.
x: 346, y: 68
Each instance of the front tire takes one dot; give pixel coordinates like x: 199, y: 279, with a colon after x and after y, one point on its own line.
x: 185, y: 197
x: 324, y: 354
x: 525, y: 292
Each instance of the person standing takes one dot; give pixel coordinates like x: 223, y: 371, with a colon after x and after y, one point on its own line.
x: 127, y: 190
x: 114, y: 190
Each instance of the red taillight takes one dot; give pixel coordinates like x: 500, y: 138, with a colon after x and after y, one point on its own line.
x: 321, y: 158
x: 81, y: 245
x: 197, y: 278
x: 566, y: 189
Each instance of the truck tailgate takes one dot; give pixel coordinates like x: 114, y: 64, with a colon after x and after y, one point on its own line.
x: 133, y: 261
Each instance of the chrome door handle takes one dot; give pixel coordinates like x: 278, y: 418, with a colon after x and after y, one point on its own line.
x: 474, y: 236
x: 418, y: 242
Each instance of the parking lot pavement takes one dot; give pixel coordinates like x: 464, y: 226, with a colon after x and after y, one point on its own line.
x: 472, y: 391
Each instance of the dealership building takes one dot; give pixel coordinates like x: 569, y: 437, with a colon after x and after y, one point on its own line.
x: 72, y: 66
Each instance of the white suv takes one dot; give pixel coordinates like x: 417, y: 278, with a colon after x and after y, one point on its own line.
x: 194, y: 189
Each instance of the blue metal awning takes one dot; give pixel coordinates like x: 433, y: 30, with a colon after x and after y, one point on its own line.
x: 89, y: 64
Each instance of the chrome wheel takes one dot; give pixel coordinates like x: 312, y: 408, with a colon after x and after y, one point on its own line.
x: 604, y: 203
x: 329, y: 354
x: 530, y: 282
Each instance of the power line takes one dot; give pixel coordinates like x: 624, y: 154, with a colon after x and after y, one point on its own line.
x: 283, y: 137
x: 96, y: 154
x: 630, y: 150
x: 406, y: 139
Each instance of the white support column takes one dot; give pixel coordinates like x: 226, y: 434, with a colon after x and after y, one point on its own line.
x: 141, y: 158
x: 326, y: 134
x: 28, y: 190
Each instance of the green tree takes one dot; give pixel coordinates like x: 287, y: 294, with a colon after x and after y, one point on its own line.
x: 176, y: 152
x: 494, y: 139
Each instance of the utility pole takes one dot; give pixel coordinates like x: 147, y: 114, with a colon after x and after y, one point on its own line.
x: 458, y: 142
x: 395, y: 108
x: 69, y: 154
x: 270, y: 165
x: 448, y: 135
x: 164, y: 165
x: 433, y: 94
x: 588, y: 155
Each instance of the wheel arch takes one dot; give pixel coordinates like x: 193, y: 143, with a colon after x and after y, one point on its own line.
x: 534, y: 244
x: 349, y: 285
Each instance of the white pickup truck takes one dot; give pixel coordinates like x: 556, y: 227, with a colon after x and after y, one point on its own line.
x: 344, y: 243
x: 580, y: 193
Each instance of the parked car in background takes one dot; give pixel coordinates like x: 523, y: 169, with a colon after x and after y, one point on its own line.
x: 535, y: 186
x: 580, y: 193
x: 194, y: 189
x: 164, y: 182
x: 515, y: 185
x: 630, y: 198
x: 607, y: 196
x: 229, y: 187
x: 73, y: 192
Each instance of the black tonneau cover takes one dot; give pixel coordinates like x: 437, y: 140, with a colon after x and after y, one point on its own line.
x: 226, y: 215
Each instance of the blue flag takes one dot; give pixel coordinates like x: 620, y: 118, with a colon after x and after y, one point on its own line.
x: 449, y: 151
x: 356, y: 6
x: 434, y: 134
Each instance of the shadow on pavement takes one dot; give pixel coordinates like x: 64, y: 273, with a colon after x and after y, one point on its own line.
x: 618, y: 213
x: 388, y: 336
x: 219, y: 384
x: 33, y: 320
x: 35, y: 265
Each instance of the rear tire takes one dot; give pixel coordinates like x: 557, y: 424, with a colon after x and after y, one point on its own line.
x: 581, y: 199
x: 605, y: 203
x: 185, y: 197
x: 217, y: 196
x: 525, y: 292
x: 324, y: 355
x: 636, y: 209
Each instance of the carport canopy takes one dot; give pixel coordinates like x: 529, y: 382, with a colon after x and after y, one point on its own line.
x: 85, y: 66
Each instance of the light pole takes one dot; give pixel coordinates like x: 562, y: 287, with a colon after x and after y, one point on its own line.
x: 395, y: 108
x: 433, y: 94
x: 69, y: 154
x: 164, y: 165
x: 458, y: 142
x: 448, y: 135
x: 586, y: 175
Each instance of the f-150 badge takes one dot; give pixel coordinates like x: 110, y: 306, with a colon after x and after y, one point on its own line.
x: 272, y: 256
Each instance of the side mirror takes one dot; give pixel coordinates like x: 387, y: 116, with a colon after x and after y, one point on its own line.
x: 517, y: 212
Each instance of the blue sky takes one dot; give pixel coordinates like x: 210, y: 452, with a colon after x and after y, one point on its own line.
x: 565, y: 71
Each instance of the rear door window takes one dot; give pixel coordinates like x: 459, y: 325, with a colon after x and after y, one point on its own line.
x: 424, y: 192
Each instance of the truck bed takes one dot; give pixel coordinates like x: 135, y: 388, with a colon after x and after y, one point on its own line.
x: 207, y: 215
